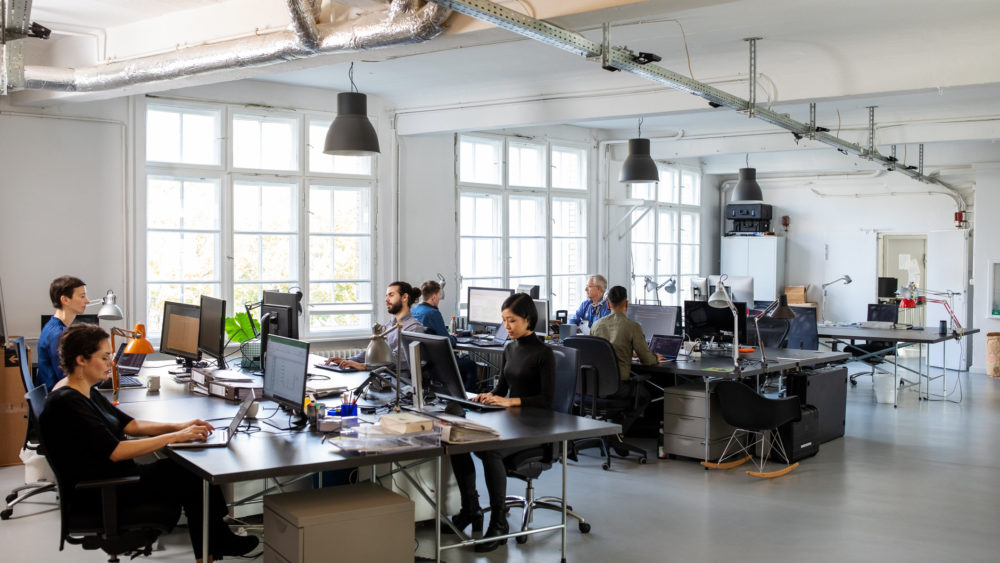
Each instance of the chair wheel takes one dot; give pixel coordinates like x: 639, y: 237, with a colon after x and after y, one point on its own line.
x: 5, y: 514
x: 11, y: 497
x: 605, y: 466
x: 584, y: 527
x: 642, y: 460
x: 522, y: 539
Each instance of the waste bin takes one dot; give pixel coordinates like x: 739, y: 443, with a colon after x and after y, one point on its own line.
x: 993, y: 354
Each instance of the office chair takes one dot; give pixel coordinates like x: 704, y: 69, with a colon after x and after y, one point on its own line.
x: 773, y: 332
x: 528, y: 464
x: 599, y: 380
x: 802, y: 331
x: 874, y: 352
x: 756, y: 420
x: 38, y: 476
x: 100, y: 527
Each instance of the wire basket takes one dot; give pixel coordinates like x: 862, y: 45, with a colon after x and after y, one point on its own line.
x: 251, y: 354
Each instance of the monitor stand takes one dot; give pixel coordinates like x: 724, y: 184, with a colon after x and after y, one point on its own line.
x: 298, y: 422
x: 185, y: 369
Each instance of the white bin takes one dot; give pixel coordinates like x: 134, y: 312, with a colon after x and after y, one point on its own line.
x: 885, y: 386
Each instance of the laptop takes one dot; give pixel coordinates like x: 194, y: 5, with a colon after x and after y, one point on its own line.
x: 667, y: 346
x: 220, y: 438
x: 499, y: 338
x: 128, y: 367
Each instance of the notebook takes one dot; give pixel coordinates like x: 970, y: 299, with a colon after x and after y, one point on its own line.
x: 666, y: 345
x: 220, y: 438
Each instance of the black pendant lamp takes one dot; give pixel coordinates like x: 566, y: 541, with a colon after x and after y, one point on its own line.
x: 639, y: 165
x: 351, y: 134
x: 747, y: 188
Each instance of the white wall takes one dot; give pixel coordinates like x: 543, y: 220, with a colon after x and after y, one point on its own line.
x: 985, y: 250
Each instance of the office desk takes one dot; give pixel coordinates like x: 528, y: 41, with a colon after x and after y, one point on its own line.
x: 900, y: 338
x: 713, y: 368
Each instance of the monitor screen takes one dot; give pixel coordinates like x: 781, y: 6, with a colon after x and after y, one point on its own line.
x: 280, y: 322
x: 438, y: 366
x: 179, y: 336
x: 285, y: 372
x: 484, y: 304
x: 212, y: 329
x: 704, y: 322
x: 542, y: 326
x: 699, y: 288
x: 293, y: 302
x: 655, y: 319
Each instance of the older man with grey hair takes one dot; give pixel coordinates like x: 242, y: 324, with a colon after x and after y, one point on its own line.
x: 595, y: 306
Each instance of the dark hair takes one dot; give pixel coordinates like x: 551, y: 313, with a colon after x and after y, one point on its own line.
x: 429, y: 289
x: 522, y: 305
x: 408, y: 290
x: 617, y: 295
x: 63, y: 287
x: 79, y: 340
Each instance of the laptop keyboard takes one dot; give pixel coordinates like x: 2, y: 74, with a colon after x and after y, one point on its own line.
x: 123, y: 382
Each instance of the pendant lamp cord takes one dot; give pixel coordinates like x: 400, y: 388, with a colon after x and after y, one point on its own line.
x: 640, y: 128
x: 748, y: 160
x: 350, y: 74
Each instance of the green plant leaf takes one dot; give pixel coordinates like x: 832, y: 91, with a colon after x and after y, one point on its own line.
x: 241, y: 328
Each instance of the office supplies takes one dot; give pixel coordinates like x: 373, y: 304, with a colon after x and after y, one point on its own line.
x: 655, y: 319
x: 405, y: 422
x: 285, y: 376
x: 212, y: 329
x: 179, y: 335
x: 666, y: 345
x: 222, y: 437
x: 484, y: 305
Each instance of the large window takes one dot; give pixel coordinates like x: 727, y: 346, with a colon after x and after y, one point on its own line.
x: 523, y: 216
x: 666, y: 234
x: 240, y: 201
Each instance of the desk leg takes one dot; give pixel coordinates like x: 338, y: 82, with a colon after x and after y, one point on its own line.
x: 565, y: 444
x: 708, y: 410
x: 895, y: 376
x: 437, y: 509
x: 204, y: 520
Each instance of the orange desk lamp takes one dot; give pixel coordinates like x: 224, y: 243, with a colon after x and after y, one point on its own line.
x: 138, y: 345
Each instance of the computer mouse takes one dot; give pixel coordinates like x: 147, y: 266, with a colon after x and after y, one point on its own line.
x: 252, y: 411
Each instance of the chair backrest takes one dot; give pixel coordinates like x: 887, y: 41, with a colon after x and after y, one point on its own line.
x: 743, y: 408
x: 36, y: 400
x: 802, y: 330
x: 567, y: 376
x: 596, y: 356
x: 884, y: 312
x: 22, y: 356
x: 772, y: 331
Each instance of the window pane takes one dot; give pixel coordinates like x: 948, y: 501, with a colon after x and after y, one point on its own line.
x: 319, y: 162
x: 527, y: 216
x: 350, y: 211
x: 569, y: 168
x: 690, y: 228
x: 526, y: 165
x: 480, y: 257
x: 569, y: 217
x: 184, y: 136
x: 163, y: 203
x: 527, y: 256
x: 645, y: 229
x: 690, y: 259
x: 643, y: 191
x: 246, y: 257
x: 569, y: 256
x: 279, y: 208
x: 163, y: 136
x: 182, y: 256
x: 278, y: 257
x: 479, y: 160
x: 666, y: 261
x: 480, y: 215
x: 690, y: 188
x: 351, y: 257
x: 667, y: 229
x: 246, y: 207
x: 265, y: 142
x: 200, y: 206
x: 329, y: 293
x: 567, y: 292
x: 320, y: 257
x: 341, y: 322
x: 320, y: 210
x: 201, y: 138
x: 668, y: 185
x: 643, y: 261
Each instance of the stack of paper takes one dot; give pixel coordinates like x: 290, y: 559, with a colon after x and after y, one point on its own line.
x: 457, y: 429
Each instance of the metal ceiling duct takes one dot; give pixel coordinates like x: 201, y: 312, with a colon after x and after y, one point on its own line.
x: 402, y: 22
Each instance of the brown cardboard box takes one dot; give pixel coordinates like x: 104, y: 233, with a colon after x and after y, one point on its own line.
x: 13, y: 408
x: 807, y: 304
x: 796, y: 294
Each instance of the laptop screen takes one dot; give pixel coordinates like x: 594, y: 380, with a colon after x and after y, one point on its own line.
x: 666, y: 345
x: 130, y: 363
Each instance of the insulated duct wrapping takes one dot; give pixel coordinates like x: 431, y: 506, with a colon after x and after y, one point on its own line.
x: 401, y: 23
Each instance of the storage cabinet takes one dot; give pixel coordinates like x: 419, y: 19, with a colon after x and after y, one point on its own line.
x: 13, y: 408
x: 762, y: 258
x: 684, y: 419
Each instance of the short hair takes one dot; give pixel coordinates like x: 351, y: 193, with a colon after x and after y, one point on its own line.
x: 522, y: 305
x: 79, y: 340
x: 617, y: 295
x: 63, y: 286
x: 404, y: 288
x: 429, y: 289
x: 600, y: 281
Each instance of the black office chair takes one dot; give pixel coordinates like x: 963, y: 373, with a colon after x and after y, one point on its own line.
x: 874, y: 352
x: 773, y: 332
x: 528, y: 464
x: 802, y: 331
x: 90, y: 527
x: 756, y: 420
x: 41, y: 480
x: 600, y: 379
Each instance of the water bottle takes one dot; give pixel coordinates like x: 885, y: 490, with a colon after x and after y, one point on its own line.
x: 454, y: 325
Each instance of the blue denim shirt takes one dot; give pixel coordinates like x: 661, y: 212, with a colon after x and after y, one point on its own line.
x: 49, y: 371
x: 588, y: 312
x: 431, y: 318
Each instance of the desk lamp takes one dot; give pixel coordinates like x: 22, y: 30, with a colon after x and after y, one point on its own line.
x: 778, y: 309
x: 846, y: 279
x: 109, y: 310
x: 910, y: 297
x: 137, y: 345
x: 720, y: 300
x: 650, y: 286
x: 378, y: 353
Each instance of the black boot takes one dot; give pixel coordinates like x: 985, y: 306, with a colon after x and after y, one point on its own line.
x: 498, y: 527
x: 471, y: 513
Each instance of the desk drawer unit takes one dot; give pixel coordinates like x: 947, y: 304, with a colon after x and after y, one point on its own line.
x: 684, y: 422
x: 349, y: 523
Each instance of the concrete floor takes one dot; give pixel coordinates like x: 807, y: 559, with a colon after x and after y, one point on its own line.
x: 917, y: 483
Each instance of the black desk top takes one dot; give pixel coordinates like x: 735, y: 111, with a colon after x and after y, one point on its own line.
x: 722, y: 365
x: 929, y: 335
x: 529, y: 426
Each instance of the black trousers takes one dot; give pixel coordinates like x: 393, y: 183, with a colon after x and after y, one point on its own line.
x: 637, y: 392
x: 494, y: 474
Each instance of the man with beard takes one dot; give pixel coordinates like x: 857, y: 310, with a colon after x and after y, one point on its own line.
x: 399, y: 296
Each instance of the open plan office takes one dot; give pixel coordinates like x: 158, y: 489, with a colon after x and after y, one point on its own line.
x: 448, y: 279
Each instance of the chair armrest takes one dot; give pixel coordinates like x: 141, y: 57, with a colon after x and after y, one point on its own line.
x: 101, y: 483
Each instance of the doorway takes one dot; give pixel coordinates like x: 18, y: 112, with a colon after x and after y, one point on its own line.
x: 904, y: 257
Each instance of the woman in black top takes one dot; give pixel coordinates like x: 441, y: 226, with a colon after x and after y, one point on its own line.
x: 84, y: 437
x: 527, y: 379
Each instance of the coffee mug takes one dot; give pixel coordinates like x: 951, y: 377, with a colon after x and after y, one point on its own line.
x: 153, y: 383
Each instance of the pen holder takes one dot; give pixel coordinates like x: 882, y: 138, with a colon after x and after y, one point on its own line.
x: 348, y: 409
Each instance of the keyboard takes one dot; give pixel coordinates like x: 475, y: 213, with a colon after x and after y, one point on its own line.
x: 124, y: 382
x: 335, y: 367
x: 464, y: 340
x: 471, y: 405
x: 489, y: 342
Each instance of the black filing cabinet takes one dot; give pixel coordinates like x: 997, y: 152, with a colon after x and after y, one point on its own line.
x: 826, y: 389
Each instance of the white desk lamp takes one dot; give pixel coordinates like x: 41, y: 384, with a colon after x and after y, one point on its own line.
x: 109, y: 310
x: 720, y: 300
x: 650, y: 286
x: 846, y: 279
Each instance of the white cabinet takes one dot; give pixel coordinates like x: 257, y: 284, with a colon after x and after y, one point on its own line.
x: 762, y: 258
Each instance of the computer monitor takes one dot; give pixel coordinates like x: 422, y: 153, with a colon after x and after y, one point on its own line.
x: 484, y: 305
x: 88, y: 319
x: 532, y: 290
x: 437, y: 365
x: 704, y: 322
x: 285, y: 374
x: 655, y: 319
x: 293, y: 301
x: 542, y: 326
x: 212, y: 329
x: 179, y: 336
x: 885, y: 312
x: 699, y: 289
x: 740, y: 287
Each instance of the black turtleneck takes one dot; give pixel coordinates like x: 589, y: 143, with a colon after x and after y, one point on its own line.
x: 529, y: 372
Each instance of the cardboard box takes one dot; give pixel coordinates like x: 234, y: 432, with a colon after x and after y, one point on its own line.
x: 13, y: 408
x: 796, y: 294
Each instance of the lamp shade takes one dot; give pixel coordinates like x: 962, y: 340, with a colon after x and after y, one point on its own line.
x: 109, y: 308
x: 747, y: 188
x: 783, y: 311
x: 639, y: 166
x: 719, y: 299
x: 139, y: 344
x: 351, y: 134
x: 378, y: 353
x: 671, y: 285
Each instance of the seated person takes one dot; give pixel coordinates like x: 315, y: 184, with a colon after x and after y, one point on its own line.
x: 626, y: 337
x: 399, y: 296
x: 69, y: 297
x: 594, y: 306
x: 84, y: 436
x: 428, y: 314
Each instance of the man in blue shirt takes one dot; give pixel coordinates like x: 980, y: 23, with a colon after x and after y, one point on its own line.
x: 428, y: 314
x: 69, y: 297
x: 594, y: 306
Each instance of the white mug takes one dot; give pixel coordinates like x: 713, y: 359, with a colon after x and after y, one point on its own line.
x: 153, y: 383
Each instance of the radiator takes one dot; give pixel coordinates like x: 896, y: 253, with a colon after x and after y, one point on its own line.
x: 338, y: 352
